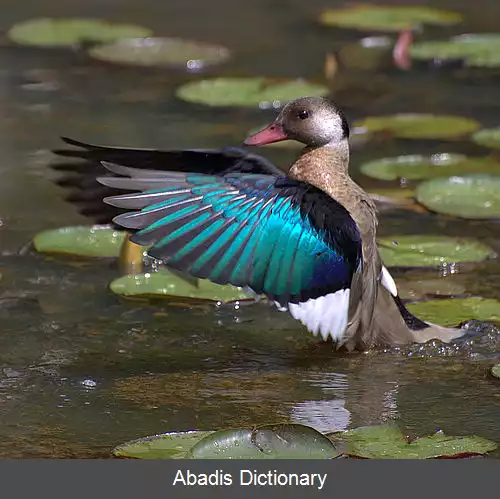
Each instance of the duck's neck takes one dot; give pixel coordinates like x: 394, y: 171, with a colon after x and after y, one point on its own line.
x: 327, y: 168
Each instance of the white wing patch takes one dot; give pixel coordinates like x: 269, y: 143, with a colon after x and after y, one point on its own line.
x: 326, y: 315
x: 388, y: 281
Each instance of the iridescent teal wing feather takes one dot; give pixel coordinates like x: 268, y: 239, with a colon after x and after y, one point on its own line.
x: 280, y: 237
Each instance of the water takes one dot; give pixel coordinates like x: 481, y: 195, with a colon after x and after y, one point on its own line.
x: 82, y: 370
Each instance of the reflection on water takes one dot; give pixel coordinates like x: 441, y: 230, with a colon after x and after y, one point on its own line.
x: 82, y: 370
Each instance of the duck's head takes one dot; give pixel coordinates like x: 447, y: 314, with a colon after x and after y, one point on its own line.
x: 314, y: 121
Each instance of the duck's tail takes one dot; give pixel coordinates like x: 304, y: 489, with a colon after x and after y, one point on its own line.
x: 422, y: 331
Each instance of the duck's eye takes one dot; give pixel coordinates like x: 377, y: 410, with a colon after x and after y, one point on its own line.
x: 303, y: 114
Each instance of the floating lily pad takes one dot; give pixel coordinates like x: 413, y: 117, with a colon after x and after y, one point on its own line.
x: 250, y: 92
x: 488, y: 137
x: 420, y: 288
x: 366, y: 54
x: 423, y: 251
x: 97, y: 241
x: 168, y: 284
x: 388, y: 442
x: 416, y: 167
x: 471, y: 197
x: 161, y: 52
x: 495, y: 371
x: 387, y: 18
x: 476, y: 50
x: 165, y: 446
x: 450, y: 312
x: 281, y: 441
x: 419, y: 126
x: 66, y: 32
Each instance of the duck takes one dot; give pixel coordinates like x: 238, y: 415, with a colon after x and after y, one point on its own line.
x: 306, y: 238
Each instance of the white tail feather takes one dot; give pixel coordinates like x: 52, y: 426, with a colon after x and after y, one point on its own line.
x: 326, y: 315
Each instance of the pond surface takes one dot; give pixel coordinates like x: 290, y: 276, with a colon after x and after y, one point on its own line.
x: 82, y: 370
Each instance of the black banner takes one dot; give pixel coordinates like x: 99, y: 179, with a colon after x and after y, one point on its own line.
x: 342, y: 478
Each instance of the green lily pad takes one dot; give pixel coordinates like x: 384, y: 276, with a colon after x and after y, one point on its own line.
x: 97, y: 241
x: 419, y: 126
x: 476, y: 50
x: 161, y: 52
x: 495, y: 371
x: 366, y: 54
x: 168, y: 284
x: 416, y: 167
x: 66, y: 32
x: 488, y: 137
x: 423, y: 251
x: 387, y: 18
x: 388, y: 442
x: 281, y: 441
x: 471, y: 197
x: 450, y: 312
x: 250, y: 92
x: 278, y: 441
x: 165, y: 446
x: 420, y: 288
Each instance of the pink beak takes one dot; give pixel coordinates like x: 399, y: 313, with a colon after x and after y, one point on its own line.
x: 270, y: 134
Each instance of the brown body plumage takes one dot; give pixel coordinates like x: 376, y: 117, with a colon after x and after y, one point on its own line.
x: 375, y: 314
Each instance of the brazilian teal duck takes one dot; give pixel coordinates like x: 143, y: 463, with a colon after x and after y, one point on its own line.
x: 306, y: 239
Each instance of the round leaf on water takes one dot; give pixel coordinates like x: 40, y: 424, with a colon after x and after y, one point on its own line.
x: 419, y: 126
x: 165, y: 446
x: 165, y: 283
x: 495, y: 371
x: 281, y: 441
x: 67, y: 32
x: 366, y: 54
x: 251, y: 92
x: 388, y: 442
x: 97, y: 241
x: 420, y: 288
x: 387, y: 18
x: 450, y: 312
x: 471, y: 197
x: 416, y: 167
x: 161, y: 52
x: 424, y: 251
x: 488, y: 137
x: 476, y: 50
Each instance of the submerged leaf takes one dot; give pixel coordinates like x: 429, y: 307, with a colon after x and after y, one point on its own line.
x: 387, y: 17
x: 450, y: 312
x: 161, y: 52
x: 419, y: 126
x: 167, y: 284
x: 251, y: 92
x: 424, y: 251
x: 476, y: 50
x: 96, y: 241
x: 388, y: 442
x: 488, y: 137
x: 495, y: 371
x: 173, y: 445
x: 416, y: 167
x: 471, y: 197
x: 420, y: 288
x: 280, y: 441
x: 66, y: 32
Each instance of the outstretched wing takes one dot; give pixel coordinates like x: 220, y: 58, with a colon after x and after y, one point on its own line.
x: 280, y: 237
x: 79, y: 177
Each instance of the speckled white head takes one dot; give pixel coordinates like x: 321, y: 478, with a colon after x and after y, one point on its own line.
x: 314, y: 121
